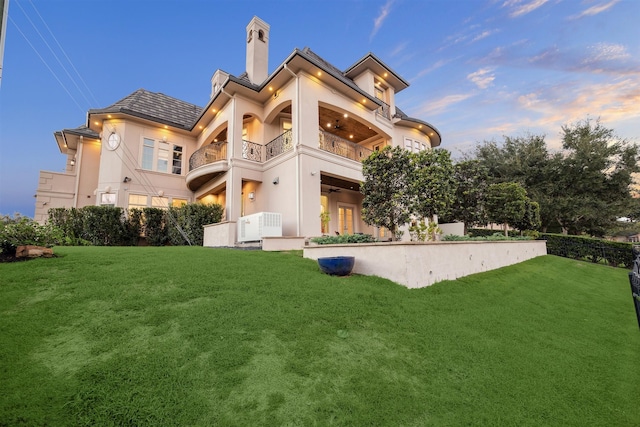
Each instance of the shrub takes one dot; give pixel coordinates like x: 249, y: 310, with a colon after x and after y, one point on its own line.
x: 343, y: 239
x: 589, y: 249
x: 186, y: 223
x: 154, y: 228
x: 492, y: 238
x: 21, y: 230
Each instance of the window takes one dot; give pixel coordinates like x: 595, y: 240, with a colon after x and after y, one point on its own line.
x: 107, y: 199
x: 414, y: 145
x: 160, y: 202
x: 176, y: 203
x: 137, y: 201
x: 156, y: 156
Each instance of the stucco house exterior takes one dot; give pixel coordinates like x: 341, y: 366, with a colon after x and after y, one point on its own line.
x: 289, y: 142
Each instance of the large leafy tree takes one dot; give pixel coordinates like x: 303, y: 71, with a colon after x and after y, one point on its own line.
x: 581, y: 189
x: 471, y: 181
x: 506, y: 204
x: 432, y: 186
x: 386, y: 200
x: 596, y: 177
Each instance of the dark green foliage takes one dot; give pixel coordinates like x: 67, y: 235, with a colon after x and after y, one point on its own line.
x: 386, y: 201
x: 582, y: 189
x: 489, y: 238
x: 506, y: 203
x: 344, y: 238
x: 531, y: 218
x: 616, y: 254
x: 471, y: 182
x: 186, y: 223
x: 480, y: 232
x: 20, y: 230
x: 109, y: 226
x: 155, y: 230
x: 431, y: 183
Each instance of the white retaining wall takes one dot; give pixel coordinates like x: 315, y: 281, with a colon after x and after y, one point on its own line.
x: 416, y: 265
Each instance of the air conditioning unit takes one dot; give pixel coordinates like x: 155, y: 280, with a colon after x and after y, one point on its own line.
x: 252, y: 228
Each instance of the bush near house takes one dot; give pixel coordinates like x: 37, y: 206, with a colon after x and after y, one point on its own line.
x: 343, y: 239
x: 616, y: 254
x: 20, y: 230
x: 114, y: 226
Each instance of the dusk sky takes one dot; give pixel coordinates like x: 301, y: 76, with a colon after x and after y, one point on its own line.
x: 478, y: 69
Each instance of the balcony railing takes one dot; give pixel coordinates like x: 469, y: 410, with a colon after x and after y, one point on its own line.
x: 279, y: 145
x: 340, y: 146
x: 251, y: 151
x: 384, y: 110
x: 208, y: 154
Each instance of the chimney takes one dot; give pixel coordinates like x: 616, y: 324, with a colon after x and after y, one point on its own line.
x: 257, y: 50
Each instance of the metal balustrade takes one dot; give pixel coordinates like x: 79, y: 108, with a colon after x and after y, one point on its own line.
x: 342, y: 147
x: 279, y: 145
x: 208, y: 154
x: 251, y: 151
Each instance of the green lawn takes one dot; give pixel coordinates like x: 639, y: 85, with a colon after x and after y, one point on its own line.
x: 196, y: 336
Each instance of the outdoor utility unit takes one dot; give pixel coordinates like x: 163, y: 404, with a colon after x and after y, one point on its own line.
x: 252, y: 228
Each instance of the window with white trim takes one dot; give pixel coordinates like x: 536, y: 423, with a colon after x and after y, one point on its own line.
x: 159, y: 202
x: 414, y: 145
x: 158, y: 155
x: 137, y: 201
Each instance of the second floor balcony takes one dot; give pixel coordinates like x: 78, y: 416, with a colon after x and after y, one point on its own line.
x: 342, y: 147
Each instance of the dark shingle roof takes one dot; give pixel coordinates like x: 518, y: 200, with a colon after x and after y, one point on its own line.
x: 82, y: 130
x: 155, y: 106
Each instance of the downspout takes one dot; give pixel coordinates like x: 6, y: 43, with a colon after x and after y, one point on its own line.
x: 76, y: 170
x: 296, y: 126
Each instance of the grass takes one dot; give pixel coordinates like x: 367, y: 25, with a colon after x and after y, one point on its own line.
x: 214, y: 337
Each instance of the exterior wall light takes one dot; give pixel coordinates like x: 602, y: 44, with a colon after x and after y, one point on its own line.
x: 252, y: 196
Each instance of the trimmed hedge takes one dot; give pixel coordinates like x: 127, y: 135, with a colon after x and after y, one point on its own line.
x: 343, y: 239
x: 589, y: 249
x: 113, y: 226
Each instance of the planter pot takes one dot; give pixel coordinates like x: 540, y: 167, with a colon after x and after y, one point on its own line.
x: 337, y: 265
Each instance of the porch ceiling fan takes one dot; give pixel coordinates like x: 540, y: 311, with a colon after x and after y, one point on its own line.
x: 334, y: 190
x: 338, y: 125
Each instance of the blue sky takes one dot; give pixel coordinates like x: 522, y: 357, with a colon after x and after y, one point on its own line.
x: 478, y: 69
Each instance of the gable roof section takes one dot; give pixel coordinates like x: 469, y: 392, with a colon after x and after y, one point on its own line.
x: 68, y: 138
x: 375, y: 64
x: 155, y: 106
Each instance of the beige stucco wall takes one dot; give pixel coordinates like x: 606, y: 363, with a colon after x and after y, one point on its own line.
x: 416, y: 265
x: 125, y: 162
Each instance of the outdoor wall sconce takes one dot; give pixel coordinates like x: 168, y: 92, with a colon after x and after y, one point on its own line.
x: 107, y: 189
x: 126, y: 179
x: 252, y: 196
x: 73, y: 162
x: 313, y: 173
x: 160, y: 193
x: 276, y: 180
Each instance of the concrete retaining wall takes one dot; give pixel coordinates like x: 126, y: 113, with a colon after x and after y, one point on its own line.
x: 416, y: 265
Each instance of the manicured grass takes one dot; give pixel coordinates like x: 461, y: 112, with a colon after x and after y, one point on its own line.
x: 195, y: 336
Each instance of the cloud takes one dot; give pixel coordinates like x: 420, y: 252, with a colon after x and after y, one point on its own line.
x: 483, y: 35
x: 441, y: 105
x: 482, y: 78
x: 594, y: 10
x: 607, y: 52
x: 384, y: 12
x: 522, y: 7
x: 399, y: 49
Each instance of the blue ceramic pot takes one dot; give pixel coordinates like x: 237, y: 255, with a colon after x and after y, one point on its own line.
x: 337, y: 265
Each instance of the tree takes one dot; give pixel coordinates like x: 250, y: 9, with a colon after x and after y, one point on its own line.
x: 531, y: 218
x: 386, y: 200
x: 506, y: 203
x: 431, y: 186
x: 471, y: 181
x: 596, y: 177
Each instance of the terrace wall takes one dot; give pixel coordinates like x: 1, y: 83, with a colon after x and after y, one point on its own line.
x: 416, y: 265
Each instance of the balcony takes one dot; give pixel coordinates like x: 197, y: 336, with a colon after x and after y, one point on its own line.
x: 208, y: 154
x: 342, y: 147
x: 279, y: 145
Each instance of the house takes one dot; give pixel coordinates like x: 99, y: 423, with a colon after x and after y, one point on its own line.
x: 289, y: 142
